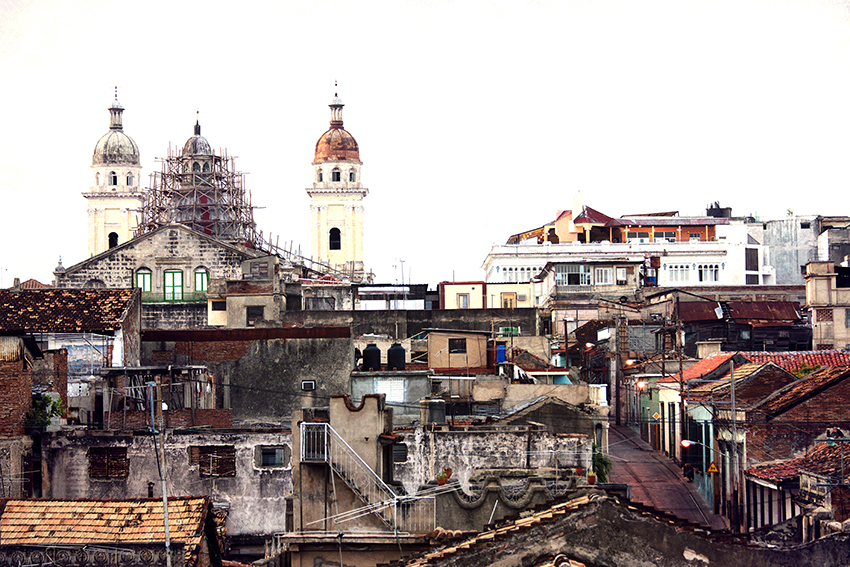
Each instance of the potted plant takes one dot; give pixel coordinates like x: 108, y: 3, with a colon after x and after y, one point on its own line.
x: 601, y: 465
x: 579, y: 471
x: 591, y: 478
x: 444, y: 476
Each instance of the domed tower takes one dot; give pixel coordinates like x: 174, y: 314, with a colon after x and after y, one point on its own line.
x: 336, y: 199
x: 115, y: 196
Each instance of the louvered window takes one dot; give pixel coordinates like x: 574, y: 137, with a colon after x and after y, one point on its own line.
x: 108, y: 462
x: 215, y: 460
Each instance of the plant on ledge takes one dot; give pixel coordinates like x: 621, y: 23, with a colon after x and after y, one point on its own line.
x: 601, y: 464
x: 444, y: 476
x: 43, y: 409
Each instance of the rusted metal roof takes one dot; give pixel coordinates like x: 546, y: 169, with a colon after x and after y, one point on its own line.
x: 764, y: 310
x: 63, y: 310
x: 699, y: 311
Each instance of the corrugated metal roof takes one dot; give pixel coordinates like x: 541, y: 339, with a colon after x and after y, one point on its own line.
x: 11, y: 349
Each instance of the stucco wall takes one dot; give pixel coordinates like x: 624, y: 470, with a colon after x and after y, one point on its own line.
x: 261, y: 380
x: 256, y: 495
x: 475, y: 452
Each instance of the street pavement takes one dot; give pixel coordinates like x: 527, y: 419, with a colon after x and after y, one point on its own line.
x: 655, y: 480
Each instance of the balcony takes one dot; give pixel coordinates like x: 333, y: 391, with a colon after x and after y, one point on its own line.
x: 187, y: 297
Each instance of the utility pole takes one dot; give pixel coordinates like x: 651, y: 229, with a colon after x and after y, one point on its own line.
x: 157, y: 410
x: 736, y: 508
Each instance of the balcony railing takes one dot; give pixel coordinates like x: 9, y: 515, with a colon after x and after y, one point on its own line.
x: 171, y: 297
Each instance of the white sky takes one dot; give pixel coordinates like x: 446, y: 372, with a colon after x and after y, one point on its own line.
x: 476, y: 119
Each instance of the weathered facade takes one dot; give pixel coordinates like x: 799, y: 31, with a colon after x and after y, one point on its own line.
x: 262, y: 374
x: 246, y: 472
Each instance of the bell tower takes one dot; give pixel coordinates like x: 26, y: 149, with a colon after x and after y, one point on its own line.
x: 336, y: 200
x: 115, y: 196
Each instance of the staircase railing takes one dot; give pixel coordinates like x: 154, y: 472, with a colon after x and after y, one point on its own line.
x: 320, y: 443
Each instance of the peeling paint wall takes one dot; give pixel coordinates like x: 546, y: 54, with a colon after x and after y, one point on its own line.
x: 472, y: 452
x: 256, y: 495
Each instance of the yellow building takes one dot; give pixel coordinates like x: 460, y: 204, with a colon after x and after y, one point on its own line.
x: 336, y: 200
x: 115, y: 196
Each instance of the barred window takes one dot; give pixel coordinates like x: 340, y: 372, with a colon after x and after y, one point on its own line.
x: 823, y: 315
x: 108, y: 462
x: 214, y: 460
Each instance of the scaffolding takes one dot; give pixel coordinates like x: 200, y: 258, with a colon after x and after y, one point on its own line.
x: 207, y: 194
x: 203, y: 192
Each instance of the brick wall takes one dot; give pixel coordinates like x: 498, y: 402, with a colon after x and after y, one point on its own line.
x: 15, y: 397
x: 213, y: 351
x: 134, y: 420
x: 174, y: 315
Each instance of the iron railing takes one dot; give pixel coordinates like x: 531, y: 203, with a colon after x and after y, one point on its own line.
x: 401, y: 514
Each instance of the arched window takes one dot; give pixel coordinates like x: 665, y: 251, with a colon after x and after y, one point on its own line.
x: 202, y: 278
x: 186, y: 167
x: 113, y: 178
x: 196, y: 166
x: 335, y: 239
x: 143, y: 279
x: 97, y: 178
x: 319, y: 176
x: 206, y: 168
x: 335, y: 175
x: 352, y: 176
x: 129, y: 180
x: 113, y: 239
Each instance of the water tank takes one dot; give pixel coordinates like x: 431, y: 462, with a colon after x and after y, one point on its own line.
x: 395, y: 357
x: 371, y: 357
x: 436, y: 411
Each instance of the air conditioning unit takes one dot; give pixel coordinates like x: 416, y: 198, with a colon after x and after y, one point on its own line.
x: 308, y: 385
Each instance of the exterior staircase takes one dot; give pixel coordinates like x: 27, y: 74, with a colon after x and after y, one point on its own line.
x: 400, y: 514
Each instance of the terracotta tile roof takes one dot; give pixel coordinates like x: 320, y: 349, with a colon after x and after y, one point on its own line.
x: 803, y: 389
x: 74, y: 522
x: 705, y: 366
x: 795, y: 359
x: 33, y: 284
x: 497, y: 534
x: 742, y: 372
x: 63, y: 310
x: 823, y: 460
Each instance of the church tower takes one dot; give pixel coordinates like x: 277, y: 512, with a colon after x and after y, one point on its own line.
x: 336, y: 199
x: 115, y: 196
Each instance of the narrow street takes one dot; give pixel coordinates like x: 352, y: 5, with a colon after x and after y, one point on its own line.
x: 655, y: 480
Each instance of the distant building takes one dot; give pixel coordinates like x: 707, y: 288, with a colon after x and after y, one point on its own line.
x: 336, y: 200
x: 115, y: 196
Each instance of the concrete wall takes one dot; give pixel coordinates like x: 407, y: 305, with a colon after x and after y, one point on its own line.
x: 474, y: 453
x: 260, y: 381
x: 256, y: 495
x: 417, y: 386
x: 174, y: 315
x: 790, y: 246
x: 441, y: 356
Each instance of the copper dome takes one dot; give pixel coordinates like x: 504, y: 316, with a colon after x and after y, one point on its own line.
x: 337, y: 145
